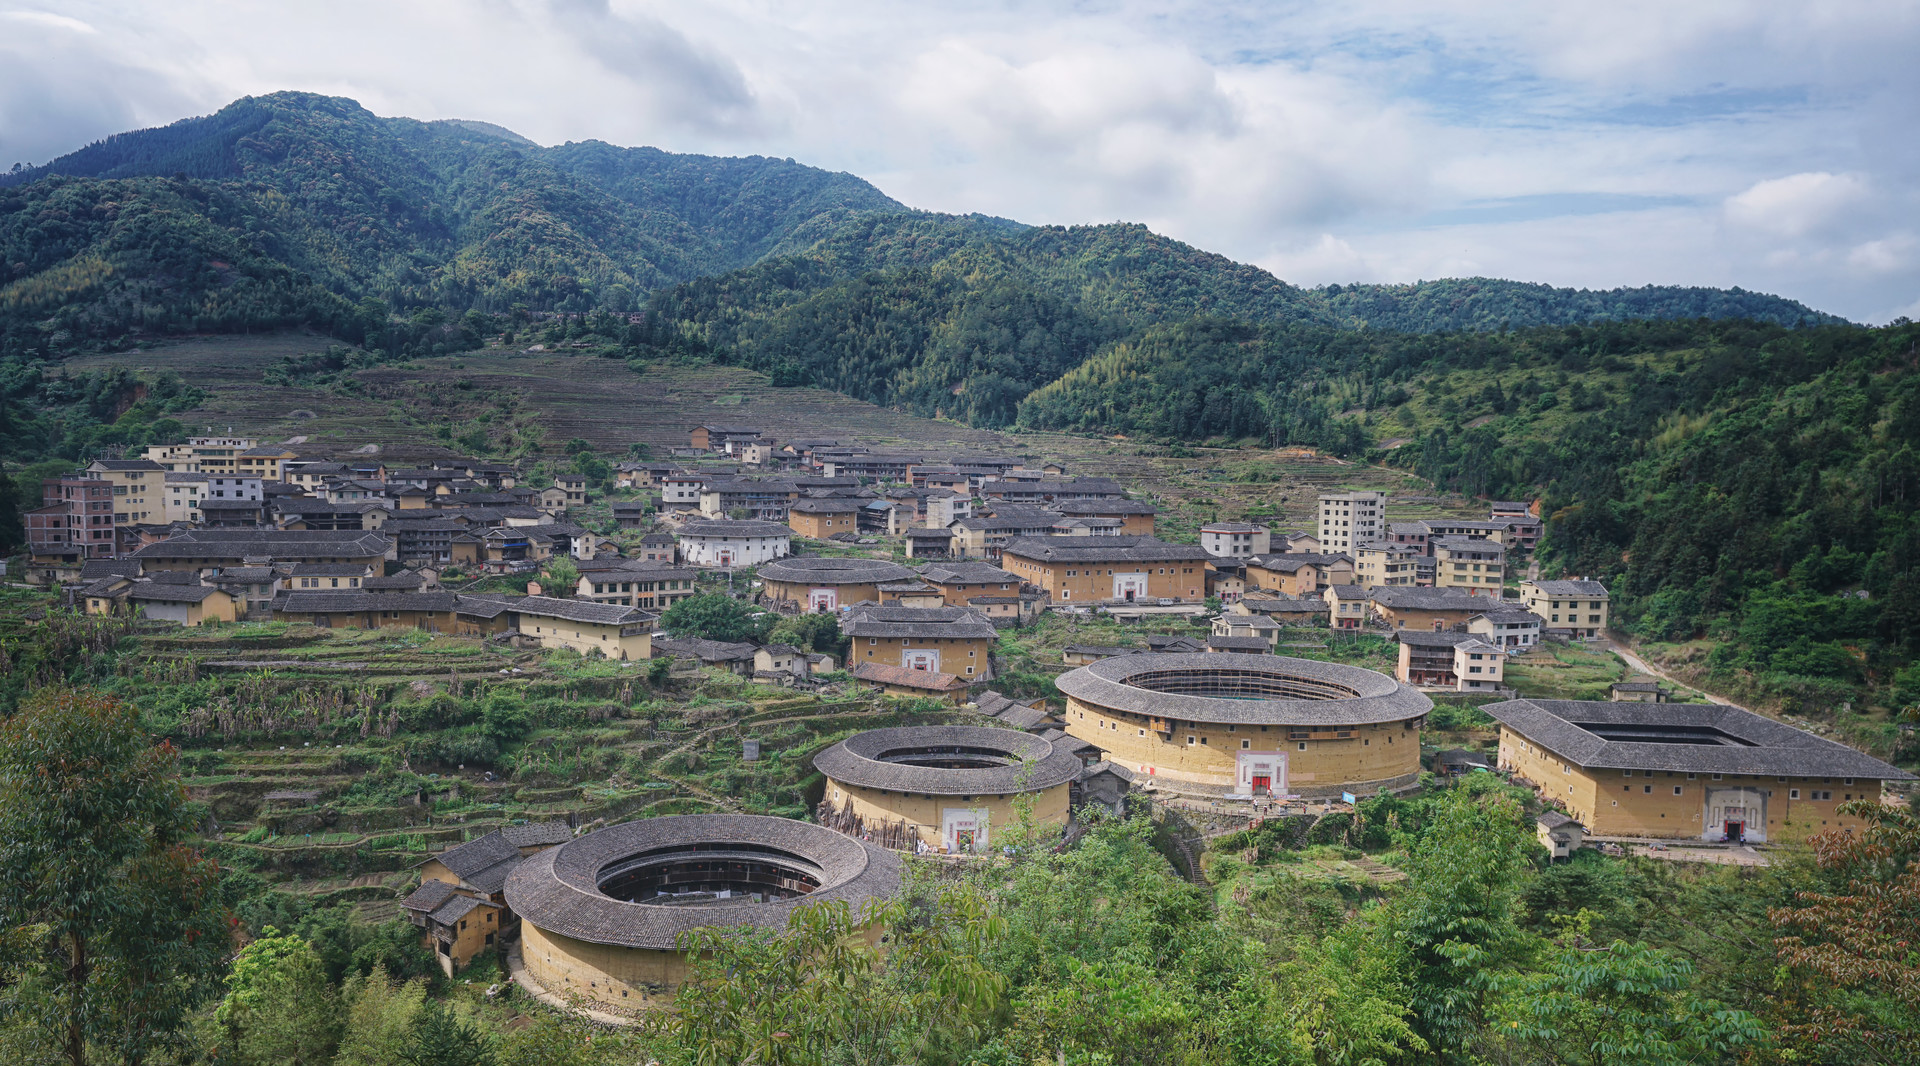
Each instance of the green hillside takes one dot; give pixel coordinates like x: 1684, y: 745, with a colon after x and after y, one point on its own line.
x: 312, y: 207
x: 294, y: 208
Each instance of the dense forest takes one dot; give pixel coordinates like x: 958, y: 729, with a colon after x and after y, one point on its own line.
x: 1747, y: 481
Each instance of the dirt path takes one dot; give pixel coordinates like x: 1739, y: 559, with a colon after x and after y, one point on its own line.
x: 1649, y: 669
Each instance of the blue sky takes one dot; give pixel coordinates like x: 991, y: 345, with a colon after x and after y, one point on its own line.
x: 1769, y: 146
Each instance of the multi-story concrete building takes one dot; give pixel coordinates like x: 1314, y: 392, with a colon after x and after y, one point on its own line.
x: 1235, y: 540
x: 1475, y: 564
x: 137, y: 485
x: 73, y: 523
x: 1350, y: 519
x: 1380, y: 563
x: 1578, y: 608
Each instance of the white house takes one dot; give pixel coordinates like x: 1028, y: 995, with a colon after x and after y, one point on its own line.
x: 1235, y: 540
x: 721, y: 542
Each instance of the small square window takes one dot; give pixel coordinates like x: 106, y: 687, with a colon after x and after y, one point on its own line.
x: 1245, y: 744
x: 1676, y: 790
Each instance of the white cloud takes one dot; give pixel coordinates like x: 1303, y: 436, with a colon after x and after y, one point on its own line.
x: 1380, y: 139
x: 1798, y: 204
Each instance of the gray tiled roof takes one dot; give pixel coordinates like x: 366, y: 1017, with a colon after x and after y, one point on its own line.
x: 1288, y: 562
x: 1104, y: 507
x: 405, y: 579
x: 429, y: 895
x: 946, y: 622
x: 1742, y: 742
x: 1571, y: 588
x: 161, y: 592
x: 831, y: 505
x: 1332, y: 694
x: 351, y: 601
x: 536, y: 833
x: 455, y: 908
x: 730, y: 528
x: 1102, y: 549
x: 273, y: 543
x: 483, y: 862
x: 1424, y: 599
x: 817, y: 570
x: 578, y: 610
x: 127, y: 464
x: 967, y: 573
x: 872, y: 760
x: 94, y: 569
x: 558, y: 891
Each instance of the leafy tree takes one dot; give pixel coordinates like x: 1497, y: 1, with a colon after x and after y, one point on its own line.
x: 93, y: 854
x: 1458, y: 919
x: 1617, y: 1004
x: 1856, y: 938
x: 438, y: 1038
x: 814, y: 632
x: 561, y: 577
x: 714, y: 616
x: 280, y: 1007
x: 578, y: 446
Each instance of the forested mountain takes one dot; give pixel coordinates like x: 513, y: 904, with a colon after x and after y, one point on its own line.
x: 300, y: 208
x: 294, y: 208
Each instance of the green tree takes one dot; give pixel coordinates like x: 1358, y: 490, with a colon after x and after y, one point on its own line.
x: 128, y: 918
x: 815, y: 631
x: 1458, y: 919
x: 379, y: 1020
x: 713, y: 616
x: 577, y: 446
x: 561, y: 577
x: 438, y: 1038
x: 279, y: 1009
x: 1617, y: 1004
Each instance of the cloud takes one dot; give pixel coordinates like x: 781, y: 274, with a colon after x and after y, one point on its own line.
x: 1718, y: 142
x: 1798, y: 204
x: 683, y: 83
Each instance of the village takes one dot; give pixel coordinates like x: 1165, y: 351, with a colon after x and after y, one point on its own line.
x: 1215, y: 691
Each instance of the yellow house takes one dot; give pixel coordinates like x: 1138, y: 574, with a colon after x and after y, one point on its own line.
x: 137, y: 489
x: 1475, y: 564
x: 1685, y: 771
x: 188, y: 605
x: 611, y: 629
x: 1578, y: 606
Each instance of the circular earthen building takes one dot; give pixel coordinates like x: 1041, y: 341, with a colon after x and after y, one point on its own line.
x: 816, y: 583
x: 950, y: 787
x: 1249, y: 725
x: 601, y: 915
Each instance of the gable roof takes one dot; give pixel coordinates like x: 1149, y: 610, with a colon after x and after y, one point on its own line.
x: 707, y: 651
x: 166, y: 592
x: 483, y: 862
x: 353, y: 601
x: 906, y: 678
x: 942, y: 622
x: 1570, y: 588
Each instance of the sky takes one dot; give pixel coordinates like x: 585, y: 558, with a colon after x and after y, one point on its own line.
x: 1770, y: 146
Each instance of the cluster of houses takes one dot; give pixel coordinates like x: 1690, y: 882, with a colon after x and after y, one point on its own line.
x: 224, y: 528
x: 450, y: 512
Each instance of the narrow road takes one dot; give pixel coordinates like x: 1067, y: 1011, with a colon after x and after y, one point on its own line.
x: 1645, y: 667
